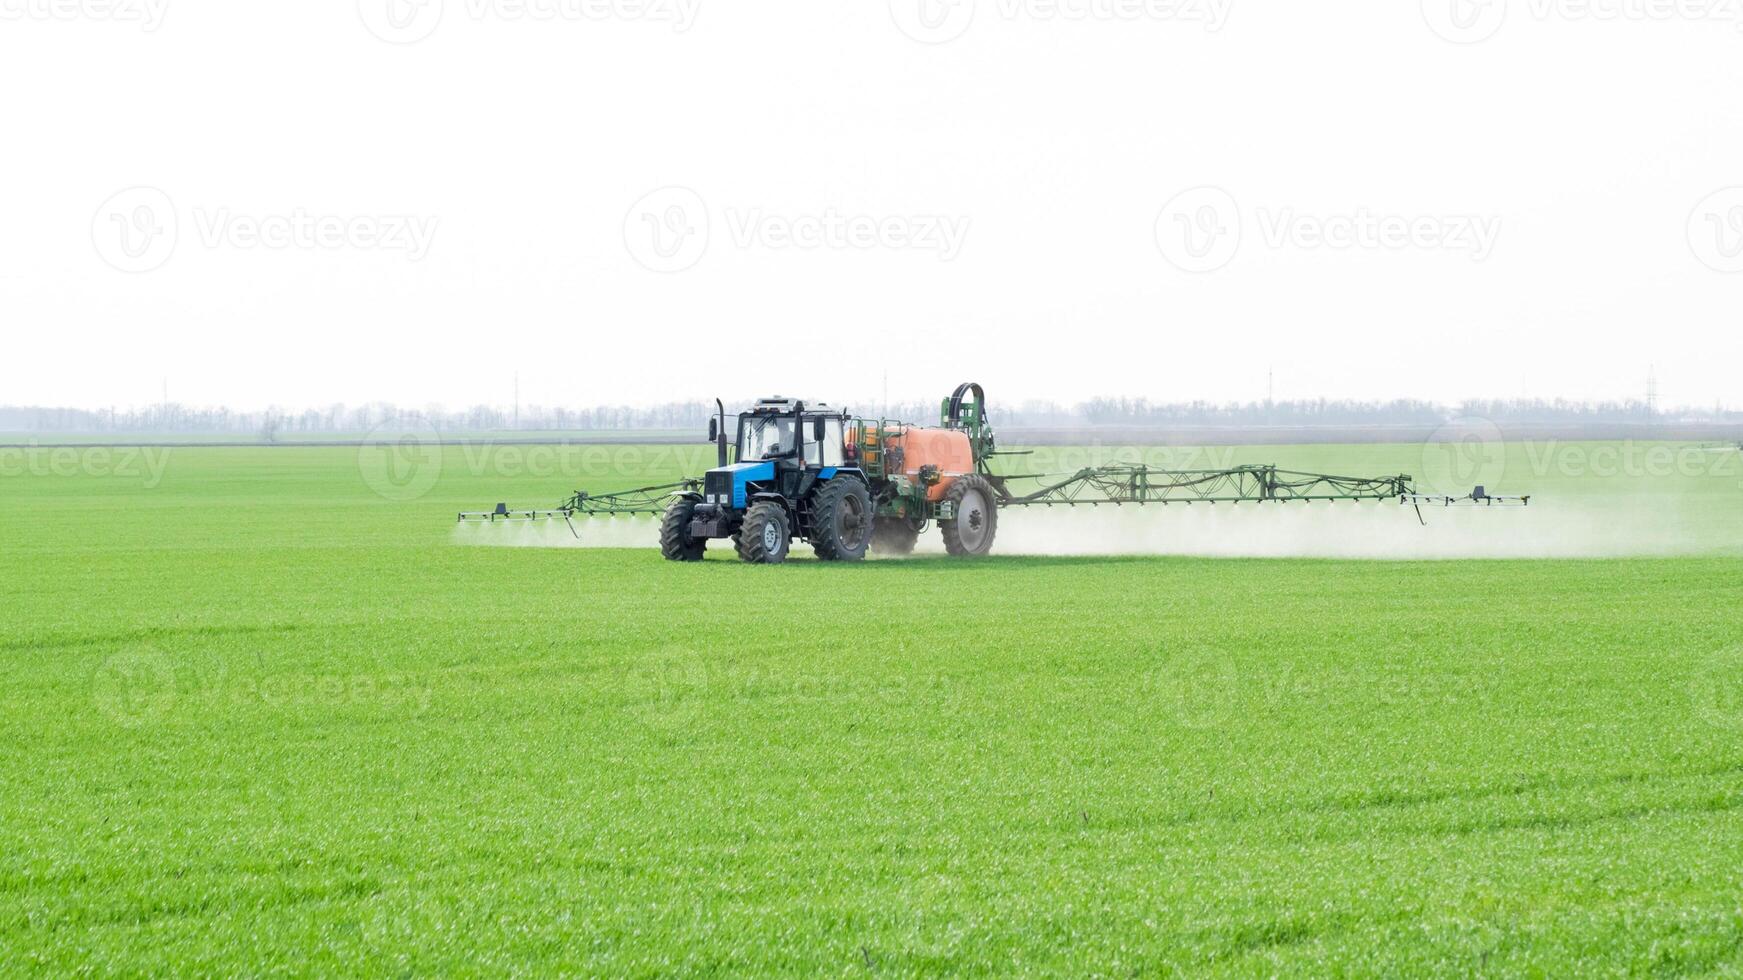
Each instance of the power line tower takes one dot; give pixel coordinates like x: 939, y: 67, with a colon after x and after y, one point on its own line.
x: 1651, y: 391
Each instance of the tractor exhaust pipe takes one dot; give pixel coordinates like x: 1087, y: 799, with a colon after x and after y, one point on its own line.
x: 719, y: 433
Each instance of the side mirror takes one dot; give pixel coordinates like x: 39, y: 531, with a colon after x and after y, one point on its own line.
x: 818, y: 430
x: 713, y: 429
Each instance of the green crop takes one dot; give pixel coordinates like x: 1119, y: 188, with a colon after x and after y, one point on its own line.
x: 262, y: 714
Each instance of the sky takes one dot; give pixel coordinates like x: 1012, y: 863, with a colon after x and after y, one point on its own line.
x: 637, y: 201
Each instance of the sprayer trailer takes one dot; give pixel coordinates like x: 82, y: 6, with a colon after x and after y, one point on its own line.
x: 847, y: 485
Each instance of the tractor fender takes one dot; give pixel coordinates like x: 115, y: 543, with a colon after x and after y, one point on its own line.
x: 831, y: 473
x: 786, y: 505
x: 687, y: 495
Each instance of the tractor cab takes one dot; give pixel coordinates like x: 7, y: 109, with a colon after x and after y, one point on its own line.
x: 784, y: 429
x: 783, y: 446
x: 788, y: 477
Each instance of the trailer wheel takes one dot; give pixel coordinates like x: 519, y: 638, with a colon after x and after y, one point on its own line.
x: 765, y: 535
x: 841, y: 520
x: 970, y: 533
x: 894, y: 536
x: 675, y: 540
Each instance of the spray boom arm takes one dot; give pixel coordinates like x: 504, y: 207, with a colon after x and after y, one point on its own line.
x: 643, y: 500
x: 1143, y: 485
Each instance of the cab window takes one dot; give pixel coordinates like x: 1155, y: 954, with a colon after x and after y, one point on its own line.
x: 765, y: 436
x: 832, y: 451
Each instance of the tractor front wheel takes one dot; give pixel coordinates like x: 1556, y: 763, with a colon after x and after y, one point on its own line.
x: 675, y: 540
x: 841, y: 520
x: 764, y: 538
x: 969, y: 533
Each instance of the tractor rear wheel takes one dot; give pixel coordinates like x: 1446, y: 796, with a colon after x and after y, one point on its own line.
x: 841, y: 520
x: 969, y: 534
x: 675, y: 540
x: 764, y: 538
x: 894, y: 536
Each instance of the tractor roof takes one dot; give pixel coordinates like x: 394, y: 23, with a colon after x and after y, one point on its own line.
x: 781, y: 403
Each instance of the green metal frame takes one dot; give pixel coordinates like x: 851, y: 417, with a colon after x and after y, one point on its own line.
x: 1128, y: 484
x: 642, y: 500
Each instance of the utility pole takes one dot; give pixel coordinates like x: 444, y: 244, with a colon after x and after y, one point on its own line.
x: 517, y: 399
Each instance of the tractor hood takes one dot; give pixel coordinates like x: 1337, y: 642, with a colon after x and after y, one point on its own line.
x: 726, y: 484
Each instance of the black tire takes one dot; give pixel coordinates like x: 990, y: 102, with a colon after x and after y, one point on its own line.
x: 766, y: 534
x: 675, y: 540
x: 894, y: 536
x: 970, y: 533
x: 841, y: 520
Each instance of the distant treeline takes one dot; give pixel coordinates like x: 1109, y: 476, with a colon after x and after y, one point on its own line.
x: 274, y: 424
x: 1138, y: 411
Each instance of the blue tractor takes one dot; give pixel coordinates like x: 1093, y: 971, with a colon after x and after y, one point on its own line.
x: 791, y: 480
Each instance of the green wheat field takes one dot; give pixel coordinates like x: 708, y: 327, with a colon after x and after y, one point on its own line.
x: 265, y: 711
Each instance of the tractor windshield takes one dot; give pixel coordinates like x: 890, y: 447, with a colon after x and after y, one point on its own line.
x: 765, y: 436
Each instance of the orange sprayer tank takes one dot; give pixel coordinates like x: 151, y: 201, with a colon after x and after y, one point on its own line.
x: 946, y: 449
